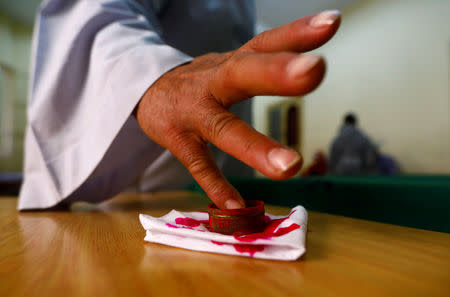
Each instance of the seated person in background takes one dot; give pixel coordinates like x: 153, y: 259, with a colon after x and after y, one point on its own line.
x: 352, y: 152
x: 318, y: 166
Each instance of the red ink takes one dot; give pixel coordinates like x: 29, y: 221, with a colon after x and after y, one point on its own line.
x: 183, y: 227
x: 248, y: 248
x: 285, y: 230
x: 271, y: 230
x: 172, y: 226
x: 217, y: 242
x: 244, y: 248
x: 189, y: 222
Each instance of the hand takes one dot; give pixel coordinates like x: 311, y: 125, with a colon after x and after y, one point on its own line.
x: 188, y: 107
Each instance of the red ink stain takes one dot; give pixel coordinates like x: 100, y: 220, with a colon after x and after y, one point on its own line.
x: 272, y: 230
x: 217, y: 242
x: 183, y: 227
x: 172, y: 226
x: 251, y: 249
x: 189, y: 222
x: 248, y: 248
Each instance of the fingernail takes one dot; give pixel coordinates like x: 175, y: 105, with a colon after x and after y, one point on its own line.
x: 232, y: 204
x: 301, y: 65
x: 325, y: 18
x: 283, y: 159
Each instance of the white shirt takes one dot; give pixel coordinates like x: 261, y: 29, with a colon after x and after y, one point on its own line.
x: 92, y: 60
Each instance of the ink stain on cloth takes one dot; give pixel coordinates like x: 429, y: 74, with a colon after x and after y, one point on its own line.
x: 271, y: 230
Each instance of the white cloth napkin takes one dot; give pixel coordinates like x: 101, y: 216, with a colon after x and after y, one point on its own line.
x: 282, y: 239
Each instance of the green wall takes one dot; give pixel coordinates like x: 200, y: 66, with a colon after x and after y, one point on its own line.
x: 15, y: 45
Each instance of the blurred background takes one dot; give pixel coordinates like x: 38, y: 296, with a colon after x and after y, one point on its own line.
x: 388, y: 64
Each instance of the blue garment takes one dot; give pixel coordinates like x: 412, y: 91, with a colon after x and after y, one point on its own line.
x: 386, y: 165
x: 92, y: 60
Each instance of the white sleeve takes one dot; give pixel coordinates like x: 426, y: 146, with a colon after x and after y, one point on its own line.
x: 92, y: 61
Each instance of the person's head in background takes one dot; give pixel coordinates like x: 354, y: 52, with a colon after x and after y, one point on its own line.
x: 350, y: 119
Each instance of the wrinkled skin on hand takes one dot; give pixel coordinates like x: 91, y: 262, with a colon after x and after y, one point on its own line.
x: 188, y: 106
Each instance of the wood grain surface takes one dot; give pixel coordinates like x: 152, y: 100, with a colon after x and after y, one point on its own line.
x: 98, y: 250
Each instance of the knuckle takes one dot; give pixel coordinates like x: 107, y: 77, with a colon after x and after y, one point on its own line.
x: 248, y: 147
x: 174, y: 135
x: 187, y: 147
x: 216, y: 58
x: 230, y: 66
x: 218, y: 191
x: 225, y: 74
x: 207, y: 175
x: 258, y: 42
x: 197, y: 166
x: 238, y: 58
x: 218, y: 124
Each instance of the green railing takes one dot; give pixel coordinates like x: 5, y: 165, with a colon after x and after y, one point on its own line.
x: 414, y: 201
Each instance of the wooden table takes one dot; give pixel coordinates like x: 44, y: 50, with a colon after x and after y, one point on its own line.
x: 98, y: 250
